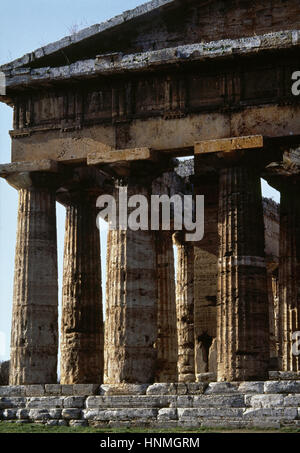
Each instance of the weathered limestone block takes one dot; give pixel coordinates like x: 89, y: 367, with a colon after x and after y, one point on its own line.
x: 49, y: 402
x: 265, y: 401
x: 67, y: 389
x: 167, y: 414
x: 39, y: 414
x: 74, y: 402
x: 195, y: 388
x: 221, y: 387
x: 82, y: 317
x: 282, y: 387
x: 131, y: 305
x: 119, y: 414
x: 9, y: 414
x: 166, y: 344
x: 52, y: 423
x: 85, y: 389
x: 35, y: 390
x: 34, y: 340
x: 292, y: 401
x: 181, y: 401
x: 243, y: 331
x: 12, y: 390
x: 287, y: 413
x: 53, y: 389
x: 22, y: 414
x: 210, y: 412
x: 162, y: 389
x: 277, y: 376
x: 78, y: 423
x: 123, y: 389
x: 289, y: 277
x: 251, y: 387
x: 185, y: 308
x: 219, y: 401
x: 55, y: 413
x: 71, y: 414
x: 123, y: 401
x: 12, y: 402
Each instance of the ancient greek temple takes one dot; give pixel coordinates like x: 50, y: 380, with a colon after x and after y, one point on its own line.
x: 115, y: 105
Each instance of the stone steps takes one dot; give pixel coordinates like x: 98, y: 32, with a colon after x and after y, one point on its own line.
x: 261, y: 404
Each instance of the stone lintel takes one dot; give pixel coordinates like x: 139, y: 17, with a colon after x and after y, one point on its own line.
x: 229, y: 144
x: 122, y: 155
x: 23, y: 75
x: 50, y: 166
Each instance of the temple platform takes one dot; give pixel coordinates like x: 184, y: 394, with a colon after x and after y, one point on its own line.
x: 261, y: 404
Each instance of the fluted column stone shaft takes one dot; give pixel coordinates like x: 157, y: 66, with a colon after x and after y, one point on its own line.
x: 185, y: 308
x: 243, y: 337
x: 206, y: 276
x: 289, y: 278
x: 167, y: 343
x: 131, y: 303
x: 34, y: 334
x: 82, y: 318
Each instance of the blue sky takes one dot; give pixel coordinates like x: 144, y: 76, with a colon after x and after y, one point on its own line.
x: 25, y: 26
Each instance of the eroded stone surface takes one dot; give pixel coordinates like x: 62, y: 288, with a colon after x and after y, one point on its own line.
x: 243, y: 326
x: 185, y: 308
x: 34, y: 341
x: 82, y: 338
x: 131, y: 304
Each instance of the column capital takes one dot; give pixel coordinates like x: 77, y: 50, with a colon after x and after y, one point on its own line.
x: 179, y: 239
x: 232, y: 151
x: 43, y: 174
x: 83, y: 183
x: 135, y: 166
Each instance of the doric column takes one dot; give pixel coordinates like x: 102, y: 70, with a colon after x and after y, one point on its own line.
x: 34, y: 334
x: 289, y: 277
x: 243, y: 337
x: 185, y: 308
x: 131, y: 302
x: 206, y: 275
x: 166, y: 344
x: 82, y: 317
